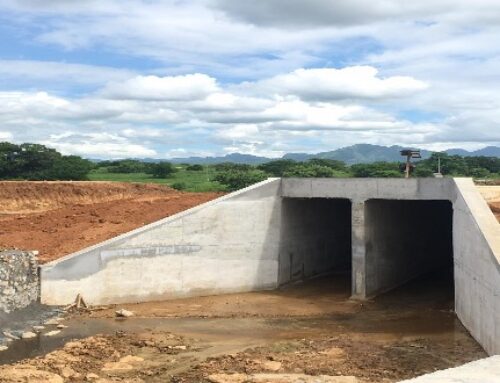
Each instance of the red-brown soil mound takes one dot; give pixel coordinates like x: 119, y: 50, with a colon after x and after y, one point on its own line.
x: 58, y: 218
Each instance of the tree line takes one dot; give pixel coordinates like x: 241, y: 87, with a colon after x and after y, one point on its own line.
x: 38, y: 162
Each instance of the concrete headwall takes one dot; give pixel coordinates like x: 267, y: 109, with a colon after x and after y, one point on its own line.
x: 225, y: 245
x: 19, y: 284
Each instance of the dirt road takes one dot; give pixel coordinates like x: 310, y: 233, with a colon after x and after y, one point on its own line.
x: 57, y: 218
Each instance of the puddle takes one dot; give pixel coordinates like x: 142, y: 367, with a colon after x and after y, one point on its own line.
x: 239, y: 333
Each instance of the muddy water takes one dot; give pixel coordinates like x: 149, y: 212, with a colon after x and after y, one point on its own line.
x: 421, y: 310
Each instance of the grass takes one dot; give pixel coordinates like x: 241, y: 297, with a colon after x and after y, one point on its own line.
x: 194, y: 181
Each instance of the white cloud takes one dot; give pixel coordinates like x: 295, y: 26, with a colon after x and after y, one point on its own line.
x: 46, y: 72
x: 248, y: 116
x: 171, y: 88
x: 382, y: 72
x: 323, y: 84
x: 6, y: 136
x: 345, y: 13
x: 97, y: 145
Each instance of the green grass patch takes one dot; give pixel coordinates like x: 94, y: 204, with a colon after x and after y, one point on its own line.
x: 188, y: 180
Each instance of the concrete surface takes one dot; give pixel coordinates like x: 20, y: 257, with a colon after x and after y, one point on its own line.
x: 476, y: 248
x: 481, y: 371
x: 281, y: 230
x: 315, y: 237
x: 225, y: 245
x: 405, y: 239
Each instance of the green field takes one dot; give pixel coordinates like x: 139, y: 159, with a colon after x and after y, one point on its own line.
x: 195, y: 181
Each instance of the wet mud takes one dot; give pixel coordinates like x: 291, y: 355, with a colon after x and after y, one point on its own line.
x: 311, y: 328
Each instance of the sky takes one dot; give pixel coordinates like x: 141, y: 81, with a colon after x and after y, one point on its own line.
x: 177, y: 78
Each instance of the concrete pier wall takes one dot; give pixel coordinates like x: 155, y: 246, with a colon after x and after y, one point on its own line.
x: 279, y: 230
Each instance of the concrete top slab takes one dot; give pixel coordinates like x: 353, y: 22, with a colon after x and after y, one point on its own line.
x: 360, y: 189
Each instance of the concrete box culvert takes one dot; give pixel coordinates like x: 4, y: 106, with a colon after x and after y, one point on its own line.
x: 247, y: 232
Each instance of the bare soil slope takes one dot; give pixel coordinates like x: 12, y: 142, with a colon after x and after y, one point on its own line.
x: 492, y: 195
x: 58, y: 218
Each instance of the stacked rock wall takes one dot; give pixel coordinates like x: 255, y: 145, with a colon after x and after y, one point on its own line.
x: 19, y: 282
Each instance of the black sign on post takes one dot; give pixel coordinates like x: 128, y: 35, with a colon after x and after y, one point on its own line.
x: 409, y: 154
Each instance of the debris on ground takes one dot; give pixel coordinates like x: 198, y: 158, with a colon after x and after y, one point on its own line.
x: 52, y: 333
x: 9, y: 335
x: 122, y: 313
x: 28, y: 335
x: 51, y: 322
x: 78, y: 305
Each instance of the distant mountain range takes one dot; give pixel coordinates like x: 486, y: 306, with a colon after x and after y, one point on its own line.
x: 355, y: 154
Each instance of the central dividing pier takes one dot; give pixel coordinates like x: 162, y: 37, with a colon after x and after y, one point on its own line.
x: 381, y: 232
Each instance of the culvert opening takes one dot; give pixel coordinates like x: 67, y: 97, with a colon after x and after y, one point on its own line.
x: 316, y: 240
x: 409, y: 243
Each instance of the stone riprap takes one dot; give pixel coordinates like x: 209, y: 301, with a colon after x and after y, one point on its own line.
x: 19, y: 282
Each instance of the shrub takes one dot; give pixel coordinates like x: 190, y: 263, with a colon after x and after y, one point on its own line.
x: 195, y: 168
x: 162, y: 170
x: 238, y: 179
x: 277, y: 168
x: 179, y: 186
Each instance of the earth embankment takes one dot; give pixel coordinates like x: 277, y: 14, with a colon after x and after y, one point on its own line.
x: 58, y: 218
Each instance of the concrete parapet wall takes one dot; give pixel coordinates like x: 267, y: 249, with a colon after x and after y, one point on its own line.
x: 225, y: 245
x: 362, y: 189
x: 19, y: 283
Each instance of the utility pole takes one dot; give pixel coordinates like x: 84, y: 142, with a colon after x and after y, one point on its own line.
x: 438, y: 174
x: 409, y: 153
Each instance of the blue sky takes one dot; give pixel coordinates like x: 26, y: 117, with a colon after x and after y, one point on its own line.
x: 132, y: 78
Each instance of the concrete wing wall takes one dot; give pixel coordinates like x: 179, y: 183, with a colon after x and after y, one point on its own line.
x: 477, y: 266
x: 226, y: 245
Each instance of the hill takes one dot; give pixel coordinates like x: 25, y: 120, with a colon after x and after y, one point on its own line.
x: 355, y: 154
